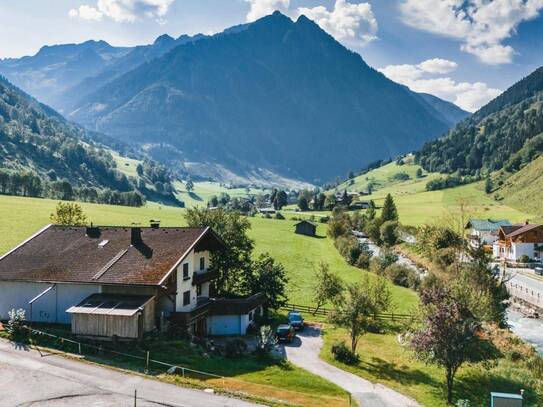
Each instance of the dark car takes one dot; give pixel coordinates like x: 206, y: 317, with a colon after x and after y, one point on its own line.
x: 285, y: 332
x: 296, y: 320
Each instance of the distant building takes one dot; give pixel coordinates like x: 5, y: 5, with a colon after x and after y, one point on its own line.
x: 359, y: 205
x: 484, y: 231
x: 519, y: 240
x: 306, y: 227
x: 267, y: 211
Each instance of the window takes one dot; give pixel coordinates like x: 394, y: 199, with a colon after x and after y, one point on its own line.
x: 251, y: 316
x: 199, y: 290
x: 185, y: 271
x: 186, y: 298
x: 202, y: 263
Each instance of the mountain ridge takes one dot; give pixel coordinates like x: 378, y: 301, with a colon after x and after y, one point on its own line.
x: 263, y: 95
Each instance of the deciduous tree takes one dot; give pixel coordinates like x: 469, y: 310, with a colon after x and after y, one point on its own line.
x: 68, y: 214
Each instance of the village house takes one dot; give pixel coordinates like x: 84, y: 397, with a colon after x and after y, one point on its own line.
x: 484, y: 231
x: 116, y: 281
x: 516, y: 242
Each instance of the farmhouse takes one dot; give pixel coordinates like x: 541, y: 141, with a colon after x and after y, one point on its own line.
x: 519, y: 241
x: 122, y: 281
x: 306, y: 227
x: 484, y: 231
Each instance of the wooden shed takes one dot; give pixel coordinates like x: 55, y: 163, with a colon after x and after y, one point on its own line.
x: 306, y: 227
x: 107, y: 316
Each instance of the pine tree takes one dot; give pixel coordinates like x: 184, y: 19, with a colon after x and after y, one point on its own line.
x: 389, y: 211
x: 488, y: 185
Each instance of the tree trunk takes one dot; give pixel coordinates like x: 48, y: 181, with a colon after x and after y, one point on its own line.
x: 450, y: 379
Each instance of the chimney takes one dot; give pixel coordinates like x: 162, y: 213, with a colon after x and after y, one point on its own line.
x: 92, y: 231
x: 135, y: 236
x: 155, y: 224
x: 526, y: 222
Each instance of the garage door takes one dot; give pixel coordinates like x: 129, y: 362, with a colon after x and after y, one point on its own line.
x: 225, y: 325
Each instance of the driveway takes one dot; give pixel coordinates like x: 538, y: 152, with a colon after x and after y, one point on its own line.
x: 304, y: 352
x: 29, y: 379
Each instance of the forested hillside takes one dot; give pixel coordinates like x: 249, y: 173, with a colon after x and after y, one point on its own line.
x: 275, y: 94
x: 41, y: 154
x: 502, y: 134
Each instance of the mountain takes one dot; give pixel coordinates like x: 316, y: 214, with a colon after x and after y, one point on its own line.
x: 55, y: 69
x: 42, y: 154
x: 137, y: 56
x: 451, y: 113
x: 505, y: 133
x: 274, y: 94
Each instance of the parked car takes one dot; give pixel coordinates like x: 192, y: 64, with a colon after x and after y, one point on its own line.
x: 285, y: 332
x: 539, y: 270
x: 296, y: 320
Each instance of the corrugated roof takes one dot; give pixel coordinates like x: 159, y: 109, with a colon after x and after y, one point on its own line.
x: 489, y: 225
x: 67, y: 254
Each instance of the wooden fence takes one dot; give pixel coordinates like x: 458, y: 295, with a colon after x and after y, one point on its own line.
x: 392, y: 316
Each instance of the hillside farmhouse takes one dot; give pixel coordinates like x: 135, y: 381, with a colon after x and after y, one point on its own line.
x: 484, y: 231
x: 122, y: 281
x: 519, y: 240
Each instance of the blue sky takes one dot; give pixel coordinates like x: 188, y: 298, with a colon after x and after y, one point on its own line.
x: 465, y: 51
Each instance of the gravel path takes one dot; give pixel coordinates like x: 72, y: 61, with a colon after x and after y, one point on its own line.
x: 304, y: 352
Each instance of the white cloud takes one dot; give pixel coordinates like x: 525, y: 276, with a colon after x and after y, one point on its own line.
x: 85, y: 12
x: 124, y: 11
x: 420, y: 78
x: 438, y: 65
x: 348, y: 22
x: 261, y: 8
x: 481, y: 25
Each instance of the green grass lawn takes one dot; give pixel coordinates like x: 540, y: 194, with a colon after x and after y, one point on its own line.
x: 301, y: 254
x: 384, y: 360
x: 204, y: 190
x: 126, y: 165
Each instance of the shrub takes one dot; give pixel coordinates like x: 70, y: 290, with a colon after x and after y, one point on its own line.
x: 363, y: 260
x: 524, y: 258
x: 324, y: 219
x: 266, y: 340
x: 15, y: 327
x: 279, y: 215
x: 402, y: 276
x: 344, y: 355
x: 235, y: 348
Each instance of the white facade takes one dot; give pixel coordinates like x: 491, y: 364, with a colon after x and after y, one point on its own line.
x: 51, y: 307
x: 514, y: 252
x: 192, y: 263
x: 218, y: 325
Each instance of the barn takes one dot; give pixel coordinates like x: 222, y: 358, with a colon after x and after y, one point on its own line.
x: 306, y: 227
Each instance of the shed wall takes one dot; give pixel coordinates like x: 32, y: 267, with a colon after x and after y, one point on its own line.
x: 50, y: 308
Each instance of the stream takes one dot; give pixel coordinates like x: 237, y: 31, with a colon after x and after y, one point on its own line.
x: 529, y: 329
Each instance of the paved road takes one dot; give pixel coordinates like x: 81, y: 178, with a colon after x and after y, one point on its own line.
x: 304, y: 352
x: 29, y: 379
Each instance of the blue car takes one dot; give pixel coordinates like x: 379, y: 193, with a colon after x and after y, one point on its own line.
x: 296, y: 320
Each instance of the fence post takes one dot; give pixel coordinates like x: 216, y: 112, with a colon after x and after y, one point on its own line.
x: 79, y: 346
x: 183, y: 372
x: 147, y: 363
x: 135, y: 397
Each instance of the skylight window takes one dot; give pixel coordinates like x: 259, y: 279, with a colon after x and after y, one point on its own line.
x: 103, y: 243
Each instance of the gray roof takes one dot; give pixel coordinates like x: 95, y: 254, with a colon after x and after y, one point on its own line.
x: 487, y: 225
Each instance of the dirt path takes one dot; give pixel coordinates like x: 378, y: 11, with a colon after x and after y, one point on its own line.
x: 304, y: 352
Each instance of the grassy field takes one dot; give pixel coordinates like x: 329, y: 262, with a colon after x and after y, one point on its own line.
x: 299, y: 254
x: 384, y: 360
x: 417, y: 206
x: 125, y: 165
x: 204, y: 190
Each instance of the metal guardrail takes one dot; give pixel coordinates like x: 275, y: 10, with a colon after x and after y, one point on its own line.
x: 326, y: 311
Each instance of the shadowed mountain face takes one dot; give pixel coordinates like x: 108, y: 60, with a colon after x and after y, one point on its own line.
x: 272, y: 96
x: 276, y: 94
